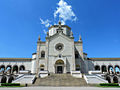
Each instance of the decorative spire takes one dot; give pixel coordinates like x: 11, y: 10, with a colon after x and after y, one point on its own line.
x: 39, y: 38
x: 59, y: 27
x: 47, y: 34
x: 59, y: 24
x: 80, y: 39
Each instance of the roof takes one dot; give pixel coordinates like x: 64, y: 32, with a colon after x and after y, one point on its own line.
x: 58, y: 34
x: 15, y: 59
x: 61, y: 25
x: 103, y: 59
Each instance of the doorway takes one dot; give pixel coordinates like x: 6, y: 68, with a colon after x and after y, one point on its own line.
x: 59, y: 66
x: 60, y: 69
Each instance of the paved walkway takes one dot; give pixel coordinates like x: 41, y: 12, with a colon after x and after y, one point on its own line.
x: 60, y: 88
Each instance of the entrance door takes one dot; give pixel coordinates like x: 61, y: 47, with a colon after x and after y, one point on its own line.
x: 59, y: 69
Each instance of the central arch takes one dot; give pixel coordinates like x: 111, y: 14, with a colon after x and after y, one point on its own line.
x: 59, y: 66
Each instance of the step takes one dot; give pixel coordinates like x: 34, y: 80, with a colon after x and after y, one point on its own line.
x: 60, y: 80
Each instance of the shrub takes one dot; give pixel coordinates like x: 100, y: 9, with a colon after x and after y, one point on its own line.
x: 109, y: 84
x: 10, y: 84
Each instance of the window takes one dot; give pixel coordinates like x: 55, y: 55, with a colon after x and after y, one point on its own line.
x: 59, y: 46
x: 97, y: 67
x: 76, y: 54
x: 43, y: 54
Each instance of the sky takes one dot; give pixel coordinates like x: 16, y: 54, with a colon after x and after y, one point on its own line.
x: 22, y: 21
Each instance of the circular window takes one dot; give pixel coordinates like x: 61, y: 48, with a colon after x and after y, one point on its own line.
x: 59, y: 47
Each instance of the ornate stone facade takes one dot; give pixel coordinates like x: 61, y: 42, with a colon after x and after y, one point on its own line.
x: 59, y: 54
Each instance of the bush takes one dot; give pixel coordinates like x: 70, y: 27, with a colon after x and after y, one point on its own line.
x: 109, y: 84
x: 10, y: 84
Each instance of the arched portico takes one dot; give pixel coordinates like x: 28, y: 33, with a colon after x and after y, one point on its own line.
x: 15, y: 69
x: 110, y: 69
x: 115, y: 79
x: 117, y: 69
x: 104, y: 68
x: 8, y: 69
x: 59, y: 66
x: 11, y: 78
x: 108, y: 79
x: 22, y: 67
x: 3, y: 79
x: 97, y: 67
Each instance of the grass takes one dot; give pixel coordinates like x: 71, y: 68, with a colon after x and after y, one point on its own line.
x: 107, y: 86
x: 12, y: 86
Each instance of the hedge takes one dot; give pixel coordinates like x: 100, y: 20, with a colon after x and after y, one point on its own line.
x: 10, y: 84
x: 109, y: 84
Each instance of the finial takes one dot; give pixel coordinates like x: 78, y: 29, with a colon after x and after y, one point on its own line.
x: 59, y: 26
x: 59, y: 22
x: 47, y: 33
x: 39, y: 38
x: 80, y: 39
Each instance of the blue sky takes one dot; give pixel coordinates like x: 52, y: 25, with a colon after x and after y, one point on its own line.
x: 98, y: 21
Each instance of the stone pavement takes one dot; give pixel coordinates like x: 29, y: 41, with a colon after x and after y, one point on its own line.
x: 60, y: 80
x: 59, y: 88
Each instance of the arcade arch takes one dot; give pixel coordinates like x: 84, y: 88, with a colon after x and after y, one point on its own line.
x: 97, y: 67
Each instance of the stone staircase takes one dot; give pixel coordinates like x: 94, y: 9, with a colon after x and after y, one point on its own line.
x: 60, y: 80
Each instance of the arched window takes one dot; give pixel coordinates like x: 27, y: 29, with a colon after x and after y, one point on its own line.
x: 41, y: 67
x: 2, y: 67
x: 76, y: 54
x: 117, y: 69
x: 97, y: 67
x: 59, y: 62
x: 110, y: 69
x: 22, y: 67
x: 8, y: 69
x: 43, y: 54
x: 15, y: 69
x: 104, y: 68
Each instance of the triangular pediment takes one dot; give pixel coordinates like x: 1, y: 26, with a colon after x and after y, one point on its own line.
x: 61, y: 35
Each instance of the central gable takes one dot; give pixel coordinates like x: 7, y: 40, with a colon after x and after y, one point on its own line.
x: 66, y: 42
x: 61, y: 35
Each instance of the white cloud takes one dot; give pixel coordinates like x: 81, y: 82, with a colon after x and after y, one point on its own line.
x: 64, y: 12
x: 45, y: 32
x: 45, y: 22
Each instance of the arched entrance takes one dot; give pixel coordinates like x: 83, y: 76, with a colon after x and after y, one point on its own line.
x: 3, y: 79
x: 115, y: 79
x: 11, y: 78
x: 59, y: 66
x: 108, y: 79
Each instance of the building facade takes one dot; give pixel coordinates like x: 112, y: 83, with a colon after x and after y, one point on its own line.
x: 59, y: 54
